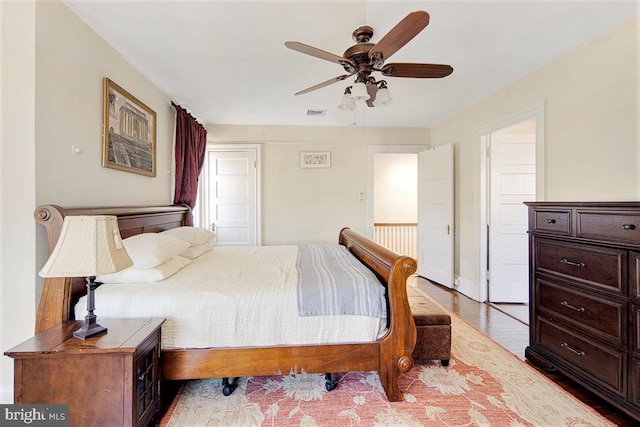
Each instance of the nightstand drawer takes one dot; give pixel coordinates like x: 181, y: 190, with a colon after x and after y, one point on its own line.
x: 594, y: 315
x: 147, y: 377
x: 601, y: 363
x: 552, y: 221
x: 592, y: 266
x: 608, y: 226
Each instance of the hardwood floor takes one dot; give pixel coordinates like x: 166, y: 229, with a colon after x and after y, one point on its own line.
x: 504, y: 325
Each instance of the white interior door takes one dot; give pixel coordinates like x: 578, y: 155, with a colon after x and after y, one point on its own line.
x: 232, y: 197
x: 435, y: 215
x: 512, y: 158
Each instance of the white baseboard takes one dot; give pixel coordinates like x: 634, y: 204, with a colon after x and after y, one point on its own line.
x: 6, y: 394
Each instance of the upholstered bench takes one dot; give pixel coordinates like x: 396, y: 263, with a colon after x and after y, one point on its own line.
x: 433, y: 324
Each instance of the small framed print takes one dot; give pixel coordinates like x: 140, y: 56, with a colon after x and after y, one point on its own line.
x: 315, y: 159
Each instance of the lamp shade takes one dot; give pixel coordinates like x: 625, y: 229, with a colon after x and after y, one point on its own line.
x: 89, y: 245
x: 359, y: 92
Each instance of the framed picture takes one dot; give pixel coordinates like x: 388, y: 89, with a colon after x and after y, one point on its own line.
x: 315, y: 159
x: 128, y: 133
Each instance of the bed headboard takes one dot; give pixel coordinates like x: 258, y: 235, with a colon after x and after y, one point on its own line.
x: 59, y: 295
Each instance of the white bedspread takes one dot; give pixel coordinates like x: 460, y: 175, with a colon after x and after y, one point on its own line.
x: 232, y: 297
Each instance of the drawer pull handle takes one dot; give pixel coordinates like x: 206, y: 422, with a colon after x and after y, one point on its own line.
x: 575, y: 264
x: 573, y: 350
x: 578, y: 309
x: 628, y: 226
x: 551, y: 221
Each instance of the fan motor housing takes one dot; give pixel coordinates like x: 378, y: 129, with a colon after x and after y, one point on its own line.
x: 359, y: 55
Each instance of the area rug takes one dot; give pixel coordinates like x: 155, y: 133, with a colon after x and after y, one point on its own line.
x: 484, y: 385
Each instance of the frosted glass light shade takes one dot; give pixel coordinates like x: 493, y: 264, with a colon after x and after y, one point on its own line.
x: 89, y: 245
x: 347, y: 103
x: 383, y: 98
x: 359, y: 92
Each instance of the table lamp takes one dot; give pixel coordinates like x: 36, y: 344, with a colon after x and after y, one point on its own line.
x: 89, y: 245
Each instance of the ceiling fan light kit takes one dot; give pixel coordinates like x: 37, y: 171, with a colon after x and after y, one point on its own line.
x: 383, y: 98
x: 359, y: 92
x: 364, y: 58
x: 347, y: 104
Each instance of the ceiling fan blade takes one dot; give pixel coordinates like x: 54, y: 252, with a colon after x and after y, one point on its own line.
x: 420, y: 71
x: 399, y: 35
x: 323, y: 84
x: 318, y: 53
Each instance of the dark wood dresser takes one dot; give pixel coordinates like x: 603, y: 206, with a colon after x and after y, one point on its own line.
x: 585, y: 296
x: 111, y: 379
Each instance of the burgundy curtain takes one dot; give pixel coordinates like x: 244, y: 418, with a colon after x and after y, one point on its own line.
x: 190, y: 148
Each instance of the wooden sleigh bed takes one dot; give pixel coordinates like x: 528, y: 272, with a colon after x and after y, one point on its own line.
x: 390, y: 355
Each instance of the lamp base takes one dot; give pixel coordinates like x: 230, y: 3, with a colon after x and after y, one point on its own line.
x: 89, y: 329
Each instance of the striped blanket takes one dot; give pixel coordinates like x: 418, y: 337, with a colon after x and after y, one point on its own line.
x: 331, y: 281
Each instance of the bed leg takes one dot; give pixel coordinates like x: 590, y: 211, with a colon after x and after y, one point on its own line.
x: 229, y: 386
x: 390, y: 373
x: 329, y: 384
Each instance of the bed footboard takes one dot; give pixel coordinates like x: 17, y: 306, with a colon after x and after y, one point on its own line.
x: 393, y: 270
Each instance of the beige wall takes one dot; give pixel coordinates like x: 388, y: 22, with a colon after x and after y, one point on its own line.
x: 17, y: 181
x: 592, y: 139
x: 71, y: 63
x: 303, y: 205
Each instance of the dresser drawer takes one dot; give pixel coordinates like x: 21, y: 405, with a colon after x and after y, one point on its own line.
x: 593, y: 314
x: 593, y: 266
x: 602, y: 364
x: 615, y: 226
x: 552, y: 221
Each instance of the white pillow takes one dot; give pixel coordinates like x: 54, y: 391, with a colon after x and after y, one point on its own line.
x: 146, y: 275
x: 195, y: 251
x: 151, y: 249
x: 193, y: 235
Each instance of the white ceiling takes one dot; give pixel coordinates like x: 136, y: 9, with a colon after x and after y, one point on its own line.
x: 225, y: 61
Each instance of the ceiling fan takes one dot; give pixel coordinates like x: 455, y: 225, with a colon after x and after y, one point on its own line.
x: 364, y: 58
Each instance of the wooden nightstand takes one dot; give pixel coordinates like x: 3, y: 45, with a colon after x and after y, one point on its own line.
x: 111, y: 379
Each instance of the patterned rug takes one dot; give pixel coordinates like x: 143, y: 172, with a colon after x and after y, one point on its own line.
x: 483, y: 385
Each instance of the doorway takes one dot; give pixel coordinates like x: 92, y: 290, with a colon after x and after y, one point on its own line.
x: 395, y: 202
x: 392, y: 200
x: 512, y: 167
x: 229, y: 194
